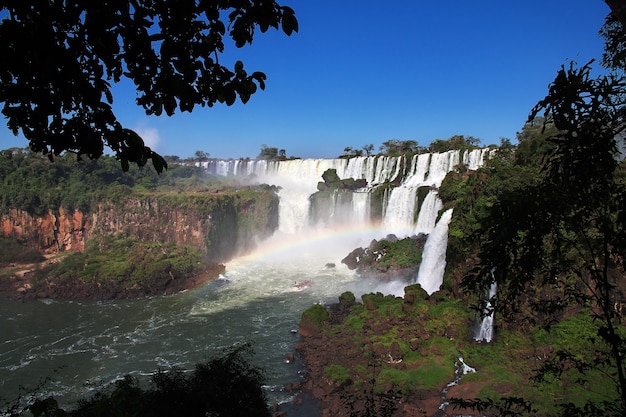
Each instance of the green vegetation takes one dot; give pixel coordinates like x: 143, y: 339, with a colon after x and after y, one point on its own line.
x: 316, y: 315
x: 126, y: 261
x: 12, y: 251
x: 459, y: 142
x: 337, y: 374
x: 386, y: 255
x: 547, y: 225
x: 30, y: 182
x: 174, y: 66
x: 415, y: 342
x: 397, y: 254
x: 398, y: 147
x: 407, y: 360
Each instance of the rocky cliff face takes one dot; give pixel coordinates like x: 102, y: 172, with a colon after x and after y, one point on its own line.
x: 51, y: 233
x: 219, y: 223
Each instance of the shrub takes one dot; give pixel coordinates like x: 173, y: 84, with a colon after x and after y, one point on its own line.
x: 337, y: 374
x: 316, y: 314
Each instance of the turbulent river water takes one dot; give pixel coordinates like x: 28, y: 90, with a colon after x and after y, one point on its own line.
x: 83, y: 345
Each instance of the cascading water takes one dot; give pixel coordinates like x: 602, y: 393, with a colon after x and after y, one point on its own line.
x: 400, y: 213
x: 485, y: 331
x: 430, y: 275
x: 428, y: 213
x: 298, y: 179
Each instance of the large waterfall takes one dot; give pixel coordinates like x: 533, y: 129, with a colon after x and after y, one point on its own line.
x: 402, y: 213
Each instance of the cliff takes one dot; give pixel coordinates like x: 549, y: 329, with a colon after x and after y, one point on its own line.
x: 218, y: 223
x: 141, y: 245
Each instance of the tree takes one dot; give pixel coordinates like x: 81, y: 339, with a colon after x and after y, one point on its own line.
x: 454, y: 142
x: 534, y: 143
x: 557, y: 245
x: 267, y: 152
x: 368, y: 149
x: 227, y: 386
x: 618, y: 10
x: 395, y: 147
x: 202, y: 156
x: 60, y: 57
x: 615, y: 43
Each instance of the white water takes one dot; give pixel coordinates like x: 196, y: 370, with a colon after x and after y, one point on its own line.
x: 402, y: 214
x: 428, y: 213
x: 430, y: 275
x: 485, y: 331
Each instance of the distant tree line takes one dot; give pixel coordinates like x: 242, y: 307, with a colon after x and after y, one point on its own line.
x: 397, y: 147
x: 30, y: 182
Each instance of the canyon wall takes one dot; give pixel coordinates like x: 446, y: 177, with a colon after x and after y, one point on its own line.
x: 219, y: 223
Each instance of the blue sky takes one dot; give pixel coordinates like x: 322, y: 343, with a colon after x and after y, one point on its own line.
x: 357, y: 74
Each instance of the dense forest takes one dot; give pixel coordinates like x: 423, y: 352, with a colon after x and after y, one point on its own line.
x: 32, y: 183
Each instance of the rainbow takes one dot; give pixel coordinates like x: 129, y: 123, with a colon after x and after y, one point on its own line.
x: 312, y: 242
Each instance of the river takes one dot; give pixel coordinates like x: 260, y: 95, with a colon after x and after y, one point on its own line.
x: 82, y: 346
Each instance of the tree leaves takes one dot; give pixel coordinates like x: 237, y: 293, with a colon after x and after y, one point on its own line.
x: 554, y: 245
x: 290, y: 23
x: 60, y: 57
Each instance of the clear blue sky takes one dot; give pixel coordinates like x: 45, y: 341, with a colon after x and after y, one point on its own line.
x: 362, y: 72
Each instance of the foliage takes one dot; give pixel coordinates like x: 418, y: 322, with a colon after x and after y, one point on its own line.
x: 389, y: 254
x: 614, y: 35
x: 347, y: 299
x: 456, y: 142
x: 397, y: 147
x: 127, y: 261
x: 402, y: 253
x: 337, y: 374
x: 227, y: 386
x: 59, y: 59
x: 315, y: 314
x: 425, y: 365
x: 29, y: 182
x: 554, y: 242
x: 14, y: 251
x: 268, y: 152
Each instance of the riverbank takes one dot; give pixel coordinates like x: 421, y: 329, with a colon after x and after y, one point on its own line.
x: 19, y: 282
x: 367, y: 357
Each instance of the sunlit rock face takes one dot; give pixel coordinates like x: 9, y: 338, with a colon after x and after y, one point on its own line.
x: 221, y: 225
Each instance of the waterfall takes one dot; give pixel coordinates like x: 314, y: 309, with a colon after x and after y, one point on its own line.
x: 361, y: 208
x: 402, y: 213
x: 430, y: 274
x: 485, y: 331
x: 474, y: 159
x: 428, y: 213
